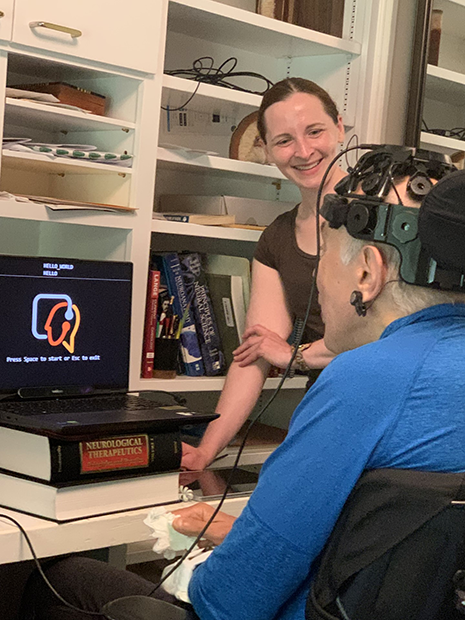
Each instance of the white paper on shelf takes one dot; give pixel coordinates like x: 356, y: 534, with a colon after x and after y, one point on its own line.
x: 19, y: 93
x: 66, y: 106
x: 178, y: 147
x: 65, y: 207
x: 8, y: 196
x: 24, y: 149
x: 7, y: 141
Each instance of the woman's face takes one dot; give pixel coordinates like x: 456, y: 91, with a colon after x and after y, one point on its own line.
x: 301, y: 138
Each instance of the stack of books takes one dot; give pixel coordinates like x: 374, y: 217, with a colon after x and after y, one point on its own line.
x: 67, y: 480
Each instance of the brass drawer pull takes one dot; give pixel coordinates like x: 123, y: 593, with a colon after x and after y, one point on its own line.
x: 73, y: 32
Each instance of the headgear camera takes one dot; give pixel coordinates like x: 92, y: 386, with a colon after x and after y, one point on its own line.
x: 426, y: 258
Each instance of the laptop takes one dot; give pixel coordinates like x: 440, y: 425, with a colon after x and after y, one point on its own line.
x: 64, y: 358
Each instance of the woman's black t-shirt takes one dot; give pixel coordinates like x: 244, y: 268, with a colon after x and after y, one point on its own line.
x: 278, y: 249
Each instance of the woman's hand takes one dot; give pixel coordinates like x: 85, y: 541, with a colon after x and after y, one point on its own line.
x: 194, y: 458
x: 193, y: 519
x: 262, y: 343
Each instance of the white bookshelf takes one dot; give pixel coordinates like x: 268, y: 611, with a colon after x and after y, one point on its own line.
x: 36, y: 162
x: 183, y: 31
x: 246, y: 30
x: 13, y: 210
x: 29, y: 113
x: 460, y: 3
x: 442, y: 144
x: 196, y: 161
x: 206, y: 232
x: 210, y: 384
x: 208, y: 97
x: 181, y: 159
x: 445, y: 84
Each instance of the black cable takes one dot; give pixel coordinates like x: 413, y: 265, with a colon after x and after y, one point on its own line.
x: 456, y: 132
x: 168, y: 109
x: 216, y: 76
x: 391, y: 178
x: 41, y: 571
x: 355, y: 138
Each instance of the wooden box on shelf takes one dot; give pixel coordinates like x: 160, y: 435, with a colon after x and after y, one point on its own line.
x: 71, y: 95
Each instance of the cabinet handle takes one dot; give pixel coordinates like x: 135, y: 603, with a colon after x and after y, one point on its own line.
x: 2, y: 14
x: 71, y: 31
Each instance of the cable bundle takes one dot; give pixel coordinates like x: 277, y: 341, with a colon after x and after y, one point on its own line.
x: 457, y: 132
x: 221, y: 76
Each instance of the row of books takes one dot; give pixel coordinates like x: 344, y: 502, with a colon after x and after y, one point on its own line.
x: 200, y: 301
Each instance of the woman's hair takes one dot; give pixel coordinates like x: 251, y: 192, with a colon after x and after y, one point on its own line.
x: 284, y: 89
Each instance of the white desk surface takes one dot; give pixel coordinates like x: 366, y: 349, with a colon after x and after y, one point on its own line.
x: 49, y: 538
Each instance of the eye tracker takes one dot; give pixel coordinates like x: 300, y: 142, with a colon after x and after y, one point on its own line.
x: 432, y: 250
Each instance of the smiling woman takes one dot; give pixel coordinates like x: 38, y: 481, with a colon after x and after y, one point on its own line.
x: 301, y: 129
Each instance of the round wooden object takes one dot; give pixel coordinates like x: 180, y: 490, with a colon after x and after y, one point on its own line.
x: 246, y: 144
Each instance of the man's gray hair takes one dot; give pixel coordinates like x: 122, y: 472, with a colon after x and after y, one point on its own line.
x: 407, y: 297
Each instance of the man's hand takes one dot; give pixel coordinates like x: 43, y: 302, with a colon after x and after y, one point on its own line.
x: 261, y: 343
x: 193, y: 519
x: 194, y: 458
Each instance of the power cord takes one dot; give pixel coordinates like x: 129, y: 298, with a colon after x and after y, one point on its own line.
x: 221, y: 76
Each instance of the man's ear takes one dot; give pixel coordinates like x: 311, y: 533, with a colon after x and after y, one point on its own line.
x: 371, y: 272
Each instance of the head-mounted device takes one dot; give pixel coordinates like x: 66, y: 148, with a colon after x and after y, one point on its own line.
x: 426, y: 256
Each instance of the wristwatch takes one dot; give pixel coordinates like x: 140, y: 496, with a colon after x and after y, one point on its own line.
x: 299, y: 358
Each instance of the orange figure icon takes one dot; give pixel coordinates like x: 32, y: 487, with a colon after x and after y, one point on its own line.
x: 65, y: 327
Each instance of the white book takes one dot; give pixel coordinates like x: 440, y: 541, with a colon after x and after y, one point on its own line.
x: 65, y: 502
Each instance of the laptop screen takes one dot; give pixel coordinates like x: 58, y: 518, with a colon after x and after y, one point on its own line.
x: 64, y: 322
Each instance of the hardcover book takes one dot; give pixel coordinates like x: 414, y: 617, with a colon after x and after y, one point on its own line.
x: 181, y: 319
x: 228, y: 304
x: 69, y: 501
x: 148, y: 347
x: 53, y: 460
x: 209, y: 337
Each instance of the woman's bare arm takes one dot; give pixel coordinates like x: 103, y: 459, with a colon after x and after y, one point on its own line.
x: 243, y: 385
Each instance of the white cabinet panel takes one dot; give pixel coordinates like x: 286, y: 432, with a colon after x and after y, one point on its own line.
x: 111, y: 31
x: 6, y: 19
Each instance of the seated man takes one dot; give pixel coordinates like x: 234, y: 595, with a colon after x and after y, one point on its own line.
x: 394, y: 397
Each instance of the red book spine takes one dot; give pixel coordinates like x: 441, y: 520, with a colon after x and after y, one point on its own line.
x: 148, y: 347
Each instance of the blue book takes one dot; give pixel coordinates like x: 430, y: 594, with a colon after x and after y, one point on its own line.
x: 169, y: 266
x: 207, y: 330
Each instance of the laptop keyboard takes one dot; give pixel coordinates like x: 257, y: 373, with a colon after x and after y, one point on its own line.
x: 77, y: 405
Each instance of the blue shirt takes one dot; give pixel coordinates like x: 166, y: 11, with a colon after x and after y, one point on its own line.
x: 397, y: 402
